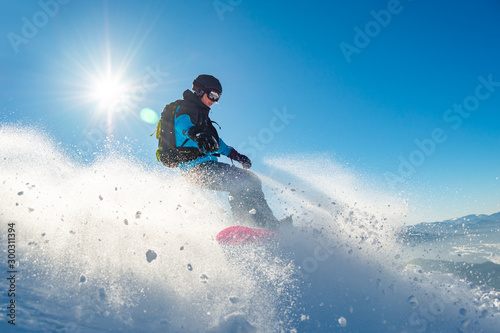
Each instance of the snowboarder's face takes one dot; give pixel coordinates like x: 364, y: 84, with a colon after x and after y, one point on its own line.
x: 207, y: 101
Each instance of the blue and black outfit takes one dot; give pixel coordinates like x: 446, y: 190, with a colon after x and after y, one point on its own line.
x: 193, y: 129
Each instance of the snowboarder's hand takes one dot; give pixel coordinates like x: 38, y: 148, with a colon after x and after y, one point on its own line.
x: 206, y: 142
x: 245, y: 161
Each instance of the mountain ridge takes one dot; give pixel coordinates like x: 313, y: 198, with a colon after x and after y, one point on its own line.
x: 469, y: 219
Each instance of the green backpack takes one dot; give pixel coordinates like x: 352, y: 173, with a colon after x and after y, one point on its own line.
x: 168, y: 152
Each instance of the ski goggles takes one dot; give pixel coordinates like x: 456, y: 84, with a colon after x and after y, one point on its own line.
x: 213, y: 95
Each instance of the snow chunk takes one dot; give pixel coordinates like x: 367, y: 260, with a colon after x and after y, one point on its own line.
x: 151, y: 255
x: 234, y: 322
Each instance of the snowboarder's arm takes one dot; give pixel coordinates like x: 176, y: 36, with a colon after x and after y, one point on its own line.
x: 230, y: 152
x: 182, y: 125
x: 224, y: 149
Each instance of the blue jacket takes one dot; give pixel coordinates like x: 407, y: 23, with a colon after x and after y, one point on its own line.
x: 192, y: 112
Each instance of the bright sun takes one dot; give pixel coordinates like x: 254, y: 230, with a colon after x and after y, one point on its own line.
x: 108, y: 91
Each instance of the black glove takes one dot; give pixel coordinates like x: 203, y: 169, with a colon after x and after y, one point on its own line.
x: 206, y: 142
x: 245, y: 161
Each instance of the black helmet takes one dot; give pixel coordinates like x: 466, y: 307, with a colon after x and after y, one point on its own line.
x: 207, y: 82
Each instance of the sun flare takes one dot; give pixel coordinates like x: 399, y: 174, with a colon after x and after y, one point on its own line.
x: 107, y: 91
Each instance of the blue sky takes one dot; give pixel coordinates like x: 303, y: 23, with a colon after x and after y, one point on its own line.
x: 406, y: 93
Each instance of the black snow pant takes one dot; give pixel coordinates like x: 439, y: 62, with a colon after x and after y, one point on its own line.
x: 248, y: 205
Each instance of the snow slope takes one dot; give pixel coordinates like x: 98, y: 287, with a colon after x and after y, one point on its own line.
x: 120, y: 246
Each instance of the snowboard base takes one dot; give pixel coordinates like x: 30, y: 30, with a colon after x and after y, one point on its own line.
x: 240, y: 235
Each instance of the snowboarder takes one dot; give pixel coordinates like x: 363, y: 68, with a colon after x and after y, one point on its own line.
x: 198, y: 144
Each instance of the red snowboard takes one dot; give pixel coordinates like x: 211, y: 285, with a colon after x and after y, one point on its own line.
x: 240, y: 235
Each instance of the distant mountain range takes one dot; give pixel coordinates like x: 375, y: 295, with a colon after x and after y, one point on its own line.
x: 471, y: 219
x: 457, y: 226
